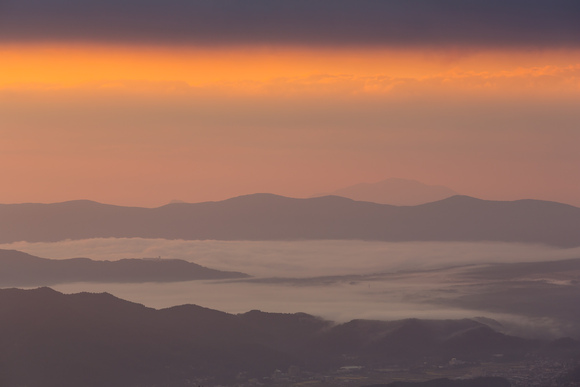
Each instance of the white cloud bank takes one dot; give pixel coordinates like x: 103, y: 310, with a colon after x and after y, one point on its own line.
x: 300, y: 258
x: 419, y: 294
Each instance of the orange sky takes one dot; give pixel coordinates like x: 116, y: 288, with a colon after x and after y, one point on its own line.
x: 144, y: 126
x: 247, y: 69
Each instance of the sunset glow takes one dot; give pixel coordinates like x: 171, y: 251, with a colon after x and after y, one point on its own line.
x: 289, y: 193
x: 286, y: 70
x: 146, y: 122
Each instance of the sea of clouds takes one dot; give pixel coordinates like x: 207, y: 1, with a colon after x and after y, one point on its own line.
x: 300, y: 258
x: 337, y: 280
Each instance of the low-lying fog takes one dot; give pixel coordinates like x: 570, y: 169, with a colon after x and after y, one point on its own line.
x: 344, y: 280
x: 300, y: 258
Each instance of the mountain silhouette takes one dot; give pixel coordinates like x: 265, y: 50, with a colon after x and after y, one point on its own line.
x: 482, y: 381
x: 21, y: 269
x: 394, y: 191
x: 272, y: 217
x: 52, y: 339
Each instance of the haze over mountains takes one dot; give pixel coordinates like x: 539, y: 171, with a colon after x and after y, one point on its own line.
x: 272, y: 217
x: 394, y: 191
x: 140, y: 102
x: 51, y: 339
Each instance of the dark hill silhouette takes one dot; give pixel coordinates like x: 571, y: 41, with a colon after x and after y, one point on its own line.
x: 51, y: 339
x: 411, y: 340
x: 572, y: 378
x: 487, y: 381
x: 272, y: 217
x: 21, y: 269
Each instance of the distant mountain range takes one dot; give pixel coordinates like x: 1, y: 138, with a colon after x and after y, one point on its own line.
x: 272, y: 217
x: 21, y: 269
x: 398, y: 192
x: 51, y: 339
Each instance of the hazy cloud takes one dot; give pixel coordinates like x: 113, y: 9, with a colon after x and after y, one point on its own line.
x: 412, y: 289
x: 300, y: 258
x: 495, y: 23
x: 423, y: 294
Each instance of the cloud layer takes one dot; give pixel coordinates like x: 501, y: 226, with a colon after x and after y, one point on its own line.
x: 300, y: 259
x: 423, y: 280
x: 495, y: 23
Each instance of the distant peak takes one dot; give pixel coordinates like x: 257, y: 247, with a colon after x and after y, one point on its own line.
x: 399, y: 180
x: 261, y: 196
x: 79, y: 201
x: 395, y: 191
x: 463, y: 198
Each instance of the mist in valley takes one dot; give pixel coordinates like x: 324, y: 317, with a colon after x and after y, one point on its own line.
x: 345, y: 280
x: 299, y: 259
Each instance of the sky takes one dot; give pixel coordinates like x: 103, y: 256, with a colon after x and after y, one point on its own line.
x: 141, y: 103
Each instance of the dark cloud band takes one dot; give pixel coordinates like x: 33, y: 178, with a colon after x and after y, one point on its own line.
x: 487, y: 23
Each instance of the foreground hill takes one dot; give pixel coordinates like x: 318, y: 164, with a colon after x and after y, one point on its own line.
x: 51, y: 339
x: 21, y: 269
x: 398, y: 192
x: 271, y: 217
x: 488, y: 381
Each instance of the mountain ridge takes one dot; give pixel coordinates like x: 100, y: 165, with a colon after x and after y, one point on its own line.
x: 275, y: 217
x: 394, y: 191
x: 96, y: 339
x: 22, y: 269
